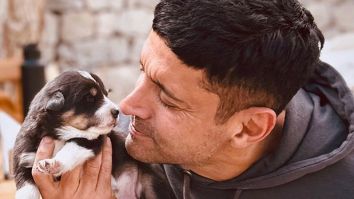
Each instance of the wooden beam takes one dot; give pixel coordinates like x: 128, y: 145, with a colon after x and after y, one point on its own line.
x: 10, y: 71
x: 10, y: 68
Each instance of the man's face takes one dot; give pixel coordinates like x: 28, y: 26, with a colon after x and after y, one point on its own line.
x: 173, y: 115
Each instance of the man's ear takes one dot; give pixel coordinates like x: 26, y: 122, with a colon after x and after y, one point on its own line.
x: 56, y: 102
x: 257, y: 123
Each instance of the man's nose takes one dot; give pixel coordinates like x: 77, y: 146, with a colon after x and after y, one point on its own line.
x: 137, y: 103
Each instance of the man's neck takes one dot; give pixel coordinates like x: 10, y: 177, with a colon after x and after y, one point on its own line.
x: 231, y: 164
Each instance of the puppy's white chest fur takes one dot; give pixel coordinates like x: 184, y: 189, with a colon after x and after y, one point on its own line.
x: 58, y: 144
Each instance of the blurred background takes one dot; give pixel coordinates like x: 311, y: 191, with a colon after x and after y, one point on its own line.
x: 41, y: 38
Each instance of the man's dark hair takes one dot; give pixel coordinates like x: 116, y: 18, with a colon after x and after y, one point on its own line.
x: 253, y: 52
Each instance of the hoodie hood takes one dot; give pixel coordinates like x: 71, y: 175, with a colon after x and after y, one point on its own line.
x: 318, y: 132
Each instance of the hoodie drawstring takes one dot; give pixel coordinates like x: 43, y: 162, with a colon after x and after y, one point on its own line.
x: 238, y: 194
x: 186, y: 184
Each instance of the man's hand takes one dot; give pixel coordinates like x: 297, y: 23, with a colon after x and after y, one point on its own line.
x: 91, y: 180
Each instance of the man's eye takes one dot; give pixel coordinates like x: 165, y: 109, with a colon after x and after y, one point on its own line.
x: 166, y: 105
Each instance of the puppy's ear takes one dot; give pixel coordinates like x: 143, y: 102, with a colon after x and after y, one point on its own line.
x: 56, y: 102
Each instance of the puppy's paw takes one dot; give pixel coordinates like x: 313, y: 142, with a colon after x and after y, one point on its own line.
x: 50, y: 166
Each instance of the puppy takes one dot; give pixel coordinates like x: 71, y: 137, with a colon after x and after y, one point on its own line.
x: 74, y: 110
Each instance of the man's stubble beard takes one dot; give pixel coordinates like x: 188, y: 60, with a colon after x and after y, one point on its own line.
x: 152, y: 153
x: 161, y: 150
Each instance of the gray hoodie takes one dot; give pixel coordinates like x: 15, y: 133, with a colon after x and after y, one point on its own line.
x: 314, y: 160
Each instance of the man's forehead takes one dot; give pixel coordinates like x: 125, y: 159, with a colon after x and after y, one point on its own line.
x: 158, y: 55
x: 155, y: 50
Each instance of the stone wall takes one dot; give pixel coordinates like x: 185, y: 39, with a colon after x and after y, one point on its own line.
x: 20, y: 24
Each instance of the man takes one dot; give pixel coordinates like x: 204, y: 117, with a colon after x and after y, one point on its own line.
x: 233, y: 102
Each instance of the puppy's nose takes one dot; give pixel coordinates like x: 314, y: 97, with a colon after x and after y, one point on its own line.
x: 115, y: 112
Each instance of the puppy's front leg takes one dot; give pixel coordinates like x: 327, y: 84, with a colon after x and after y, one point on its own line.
x: 66, y: 159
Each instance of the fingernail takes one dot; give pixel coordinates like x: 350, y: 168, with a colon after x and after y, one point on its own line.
x: 108, y: 141
x: 47, y: 140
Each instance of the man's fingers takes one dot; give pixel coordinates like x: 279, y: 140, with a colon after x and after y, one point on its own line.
x: 104, y: 179
x: 91, y: 171
x: 72, y: 178
x: 44, y: 181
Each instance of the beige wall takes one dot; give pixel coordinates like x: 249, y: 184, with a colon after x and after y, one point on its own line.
x: 334, y: 17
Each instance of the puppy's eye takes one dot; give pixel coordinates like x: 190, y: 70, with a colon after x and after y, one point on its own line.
x: 93, y: 91
x: 90, y: 98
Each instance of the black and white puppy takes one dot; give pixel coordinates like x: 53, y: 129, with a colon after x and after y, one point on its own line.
x: 74, y: 110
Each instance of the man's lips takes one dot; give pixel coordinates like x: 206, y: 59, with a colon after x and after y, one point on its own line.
x: 135, y: 132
